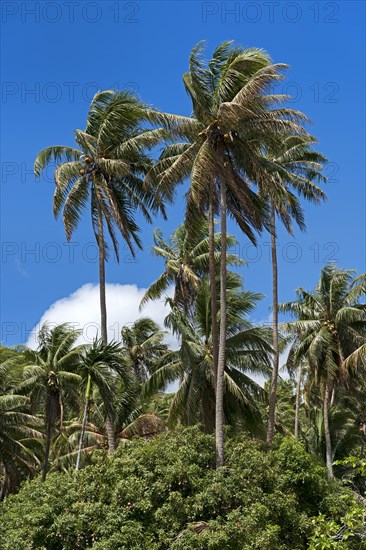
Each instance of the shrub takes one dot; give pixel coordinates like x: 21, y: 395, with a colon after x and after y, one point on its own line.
x: 165, y: 493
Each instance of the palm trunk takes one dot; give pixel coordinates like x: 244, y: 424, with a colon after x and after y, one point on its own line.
x: 298, y: 397
x: 111, y: 437
x: 273, y: 390
x: 328, y: 443
x: 83, y: 425
x: 103, y: 314
x: 47, y: 450
x: 212, y: 269
x: 5, y: 485
x: 222, y: 336
x: 103, y: 307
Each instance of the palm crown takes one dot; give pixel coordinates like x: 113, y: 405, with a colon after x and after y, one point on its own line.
x: 231, y: 122
x: 106, y: 169
x: 331, y: 322
x: 186, y: 259
x: 143, y: 346
x: 295, y: 167
x: 50, y: 375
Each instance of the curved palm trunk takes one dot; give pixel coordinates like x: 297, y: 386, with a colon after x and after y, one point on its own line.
x: 47, y: 450
x: 212, y: 269
x: 83, y: 425
x: 222, y: 336
x: 103, y: 307
x: 298, y: 398
x: 273, y: 390
x: 328, y: 442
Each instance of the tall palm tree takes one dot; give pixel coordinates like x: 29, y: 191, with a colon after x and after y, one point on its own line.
x: 143, y: 347
x: 248, y: 351
x: 50, y: 377
x: 222, y: 151
x: 187, y: 260
x: 105, y: 172
x: 100, y: 368
x: 331, y: 324
x: 294, y: 168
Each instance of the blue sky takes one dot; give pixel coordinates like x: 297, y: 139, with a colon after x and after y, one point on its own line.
x: 55, y: 55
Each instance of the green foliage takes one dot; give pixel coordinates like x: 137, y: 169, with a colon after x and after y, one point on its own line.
x: 248, y: 351
x: 358, y: 464
x: 328, y: 534
x: 186, y: 257
x: 165, y: 493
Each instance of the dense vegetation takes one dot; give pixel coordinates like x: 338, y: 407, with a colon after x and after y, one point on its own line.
x: 166, y: 493
x: 69, y: 412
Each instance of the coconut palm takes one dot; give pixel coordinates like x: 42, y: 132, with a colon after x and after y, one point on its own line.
x: 143, y: 347
x: 144, y: 420
x: 208, y: 88
x: 222, y: 151
x: 186, y: 259
x: 18, y: 429
x: 344, y: 431
x: 101, y: 368
x: 18, y: 433
x: 295, y: 166
x: 50, y: 377
x: 331, y: 324
x: 248, y: 351
x: 66, y: 444
x: 105, y: 173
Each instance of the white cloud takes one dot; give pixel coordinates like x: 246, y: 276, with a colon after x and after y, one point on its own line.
x: 81, y: 309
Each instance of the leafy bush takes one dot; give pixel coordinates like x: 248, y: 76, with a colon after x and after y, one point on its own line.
x: 165, y: 493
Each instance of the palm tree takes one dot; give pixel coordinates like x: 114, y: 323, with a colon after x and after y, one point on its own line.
x: 295, y: 166
x: 248, y: 351
x: 17, y: 430
x: 142, y: 419
x: 100, y: 368
x: 331, y: 324
x: 221, y: 152
x: 143, y: 347
x: 186, y: 259
x: 106, y: 172
x: 66, y: 444
x: 344, y: 431
x: 50, y: 377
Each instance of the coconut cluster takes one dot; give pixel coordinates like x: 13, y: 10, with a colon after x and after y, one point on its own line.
x: 88, y: 166
x: 330, y: 326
